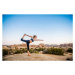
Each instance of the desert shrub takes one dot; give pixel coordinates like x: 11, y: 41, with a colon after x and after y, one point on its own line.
x: 18, y: 51
x: 64, y: 50
x: 16, y: 48
x: 21, y: 51
x: 56, y: 51
x: 5, y: 52
x: 36, y: 52
x: 11, y: 51
x: 31, y: 50
x: 24, y: 50
x: 36, y: 49
x: 70, y: 50
x: 40, y: 49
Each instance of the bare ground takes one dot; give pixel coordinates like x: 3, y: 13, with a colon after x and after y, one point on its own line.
x: 37, y: 57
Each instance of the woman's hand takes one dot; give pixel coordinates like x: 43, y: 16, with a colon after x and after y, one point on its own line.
x: 24, y: 34
x: 38, y: 40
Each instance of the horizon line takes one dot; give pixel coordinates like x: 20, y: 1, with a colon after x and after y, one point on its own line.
x: 39, y: 43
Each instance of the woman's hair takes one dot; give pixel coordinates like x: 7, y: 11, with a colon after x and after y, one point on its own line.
x: 34, y: 36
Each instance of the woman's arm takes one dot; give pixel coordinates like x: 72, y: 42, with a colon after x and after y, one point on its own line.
x: 23, y: 36
x: 38, y: 40
x: 26, y: 35
x: 29, y: 36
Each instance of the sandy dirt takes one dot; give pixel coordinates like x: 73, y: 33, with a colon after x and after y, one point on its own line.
x: 36, y: 57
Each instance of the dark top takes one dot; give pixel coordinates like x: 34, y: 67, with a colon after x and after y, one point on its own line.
x: 32, y: 39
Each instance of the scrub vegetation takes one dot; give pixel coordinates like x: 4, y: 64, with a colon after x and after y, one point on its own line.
x: 56, y: 51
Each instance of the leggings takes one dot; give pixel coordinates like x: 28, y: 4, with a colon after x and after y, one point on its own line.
x: 27, y: 42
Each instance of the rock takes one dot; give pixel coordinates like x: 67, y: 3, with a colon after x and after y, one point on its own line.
x: 70, y: 58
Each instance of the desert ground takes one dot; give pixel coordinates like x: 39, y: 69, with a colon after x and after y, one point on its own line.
x: 37, y: 57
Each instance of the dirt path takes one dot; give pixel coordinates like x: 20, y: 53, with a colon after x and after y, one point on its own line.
x: 34, y: 57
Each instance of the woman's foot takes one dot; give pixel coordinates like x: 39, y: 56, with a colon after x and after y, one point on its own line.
x: 29, y: 55
x: 23, y: 36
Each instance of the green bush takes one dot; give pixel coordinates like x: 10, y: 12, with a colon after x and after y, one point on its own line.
x: 40, y: 49
x: 70, y: 50
x: 5, y: 52
x: 11, y: 51
x: 25, y: 48
x: 36, y: 52
x: 22, y: 50
x: 56, y: 51
x: 18, y: 51
x: 31, y: 50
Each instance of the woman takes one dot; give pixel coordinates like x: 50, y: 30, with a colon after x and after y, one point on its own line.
x: 33, y: 38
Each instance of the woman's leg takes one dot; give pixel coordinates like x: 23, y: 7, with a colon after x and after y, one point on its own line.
x: 28, y: 49
x: 25, y: 40
x: 23, y: 36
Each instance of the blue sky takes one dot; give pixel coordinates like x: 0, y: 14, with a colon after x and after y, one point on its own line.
x: 53, y: 29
